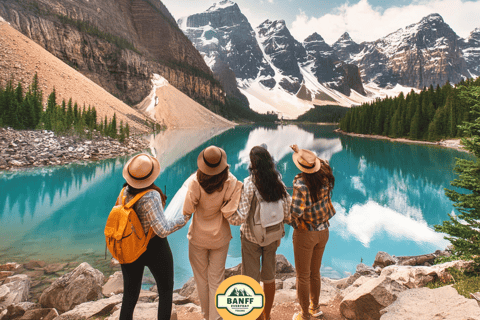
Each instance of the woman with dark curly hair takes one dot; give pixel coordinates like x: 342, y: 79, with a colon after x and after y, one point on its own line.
x: 311, y: 210
x: 212, y: 198
x: 264, y: 198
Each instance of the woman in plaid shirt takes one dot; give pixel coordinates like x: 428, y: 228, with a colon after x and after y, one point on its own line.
x: 263, y: 184
x: 311, y: 209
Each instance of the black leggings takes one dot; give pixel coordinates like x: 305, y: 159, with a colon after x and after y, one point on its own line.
x: 158, y: 258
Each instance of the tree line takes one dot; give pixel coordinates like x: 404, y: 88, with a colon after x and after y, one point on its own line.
x: 328, y: 113
x: 433, y: 114
x: 24, y: 110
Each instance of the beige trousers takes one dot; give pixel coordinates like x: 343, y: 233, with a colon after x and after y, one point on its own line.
x: 308, y: 248
x: 208, y: 267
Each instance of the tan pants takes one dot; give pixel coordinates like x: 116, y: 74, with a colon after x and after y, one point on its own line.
x: 208, y: 267
x: 308, y: 248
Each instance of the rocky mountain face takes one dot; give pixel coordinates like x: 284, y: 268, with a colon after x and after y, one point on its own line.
x: 269, y: 55
x: 345, y: 47
x: 224, y: 33
x: 422, y: 54
x: 471, y: 52
x: 119, y: 44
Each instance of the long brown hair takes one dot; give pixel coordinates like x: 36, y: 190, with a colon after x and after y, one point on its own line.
x: 265, y: 177
x: 317, y: 181
x: 212, y: 183
x: 135, y: 191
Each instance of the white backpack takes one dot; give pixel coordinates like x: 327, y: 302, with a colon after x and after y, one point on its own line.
x: 265, y: 220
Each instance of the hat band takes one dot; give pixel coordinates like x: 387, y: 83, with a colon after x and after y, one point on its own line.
x: 212, y: 165
x: 144, y: 177
x: 307, y: 167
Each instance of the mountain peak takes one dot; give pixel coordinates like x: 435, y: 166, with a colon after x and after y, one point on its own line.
x: 221, y: 5
x: 432, y: 18
x: 314, y: 37
x: 345, y: 36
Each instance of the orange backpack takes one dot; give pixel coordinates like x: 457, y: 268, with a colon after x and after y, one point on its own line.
x: 124, y: 233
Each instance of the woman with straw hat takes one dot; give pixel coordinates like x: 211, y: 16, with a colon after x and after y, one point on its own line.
x: 140, y: 173
x: 212, y: 198
x: 311, y: 209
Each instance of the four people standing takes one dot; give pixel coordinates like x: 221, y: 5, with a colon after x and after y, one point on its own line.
x: 213, y: 197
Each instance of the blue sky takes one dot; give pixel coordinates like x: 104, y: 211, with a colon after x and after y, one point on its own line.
x: 365, y: 20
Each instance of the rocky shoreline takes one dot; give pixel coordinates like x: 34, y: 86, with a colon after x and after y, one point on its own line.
x: 393, y: 288
x: 22, y: 149
x: 450, y: 143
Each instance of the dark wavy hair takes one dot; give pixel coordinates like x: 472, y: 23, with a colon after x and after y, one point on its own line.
x: 212, y: 183
x: 135, y: 191
x: 265, y: 177
x: 317, y: 181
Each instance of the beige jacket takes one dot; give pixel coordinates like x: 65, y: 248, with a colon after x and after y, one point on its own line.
x: 214, y: 212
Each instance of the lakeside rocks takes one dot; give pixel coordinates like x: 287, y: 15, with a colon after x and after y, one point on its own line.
x: 37, y: 148
x: 380, y: 293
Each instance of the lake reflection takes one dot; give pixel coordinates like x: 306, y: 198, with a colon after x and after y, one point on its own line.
x: 387, y: 196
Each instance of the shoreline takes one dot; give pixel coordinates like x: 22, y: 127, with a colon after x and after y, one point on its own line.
x: 449, y: 143
x: 27, y: 149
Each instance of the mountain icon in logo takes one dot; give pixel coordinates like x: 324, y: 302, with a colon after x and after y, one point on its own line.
x: 239, y: 293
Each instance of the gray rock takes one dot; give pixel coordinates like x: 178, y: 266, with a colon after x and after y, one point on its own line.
x: 290, y: 283
x: 383, y: 259
x: 366, y: 301
x: 364, y: 270
x: 282, y: 264
x: 328, y: 292
x: 90, y: 309
x: 18, y: 290
x: 114, y: 284
x: 82, y: 284
x: 54, y: 267
x: 42, y: 314
x: 426, y: 304
x: 359, y: 282
x: 179, y: 299
x: 189, y: 290
x: 18, y: 310
x: 278, y: 284
x: 233, y: 271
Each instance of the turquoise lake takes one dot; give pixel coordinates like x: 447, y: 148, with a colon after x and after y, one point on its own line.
x: 387, y: 197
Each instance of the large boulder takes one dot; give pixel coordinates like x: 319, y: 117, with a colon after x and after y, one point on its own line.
x: 383, y: 259
x: 328, y: 292
x: 282, y: 265
x: 43, y: 314
x: 82, y: 284
x: 418, y: 277
x: 367, y: 300
x: 290, y: 283
x: 364, y: 270
x: 233, y: 271
x: 427, y: 304
x: 114, y: 284
x: 14, y: 290
x: 285, y: 295
x: 17, y: 310
x: 189, y: 290
x: 91, y: 309
x: 358, y: 283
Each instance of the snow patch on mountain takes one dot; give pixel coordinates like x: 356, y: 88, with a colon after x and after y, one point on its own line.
x: 221, y: 5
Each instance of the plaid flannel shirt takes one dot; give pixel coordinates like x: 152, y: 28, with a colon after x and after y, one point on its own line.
x: 248, y: 191
x: 307, y: 215
x: 149, y: 210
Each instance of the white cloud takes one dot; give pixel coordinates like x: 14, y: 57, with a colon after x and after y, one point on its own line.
x: 365, y: 221
x: 367, y: 23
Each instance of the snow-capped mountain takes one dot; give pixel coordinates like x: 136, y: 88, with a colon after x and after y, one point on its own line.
x: 422, y: 54
x: 471, y: 52
x: 345, y: 47
x: 273, y: 70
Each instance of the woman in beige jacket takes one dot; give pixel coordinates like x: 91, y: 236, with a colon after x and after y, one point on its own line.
x: 212, y: 197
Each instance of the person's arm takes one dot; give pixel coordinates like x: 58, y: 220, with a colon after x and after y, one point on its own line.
x: 298, y: 201
x: 287, y: 202
x: 191, y: 199
x: 246, y: 197
x: 155, y: 215
x: 231, y: 200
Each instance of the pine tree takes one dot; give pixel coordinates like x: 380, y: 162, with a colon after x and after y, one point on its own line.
x: 462, y: 228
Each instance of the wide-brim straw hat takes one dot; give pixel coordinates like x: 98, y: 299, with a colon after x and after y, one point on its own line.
x: 305, y: 160
x: 141, y: 171
x: 212, y: 160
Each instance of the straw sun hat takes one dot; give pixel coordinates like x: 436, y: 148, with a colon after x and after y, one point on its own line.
x: 141, y: 171
x: 305, y: 160
x: 212, y: 160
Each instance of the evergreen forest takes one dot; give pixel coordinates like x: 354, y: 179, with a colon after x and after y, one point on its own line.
x: 433, y: 114
x: 22, y: 109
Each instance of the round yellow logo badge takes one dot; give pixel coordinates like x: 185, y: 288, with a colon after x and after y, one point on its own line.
x: 240, y: 297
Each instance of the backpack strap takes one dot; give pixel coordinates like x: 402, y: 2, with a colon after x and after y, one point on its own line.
x: 135, y: 199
